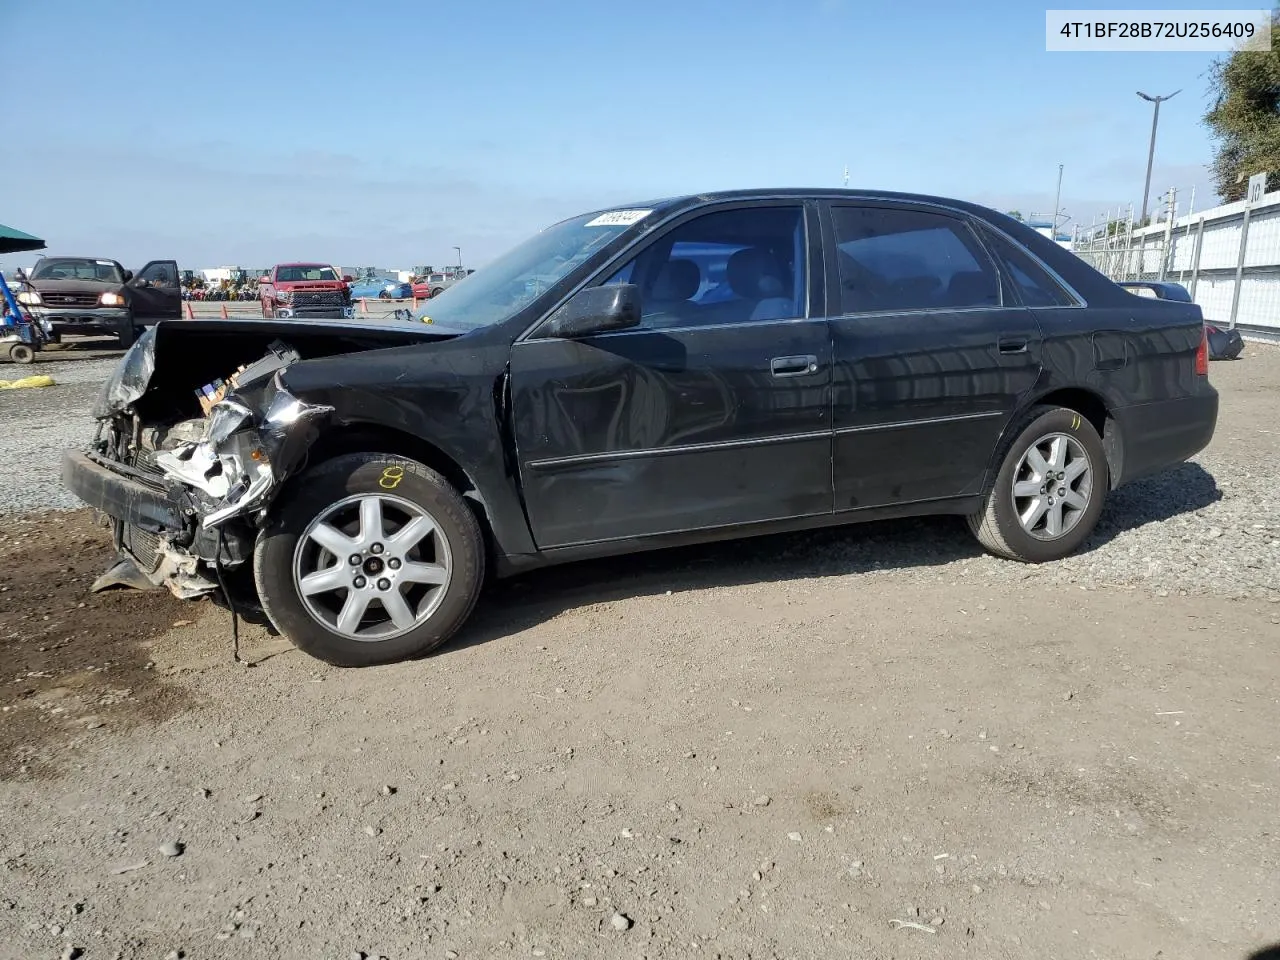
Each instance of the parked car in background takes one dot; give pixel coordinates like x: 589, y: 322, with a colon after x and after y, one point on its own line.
x: 305, y: 290
x: 379, y: 287
x: 876, y: 355
x: 97, y: 296
x: 436, y: 283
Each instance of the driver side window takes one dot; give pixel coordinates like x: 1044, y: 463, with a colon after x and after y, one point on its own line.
x: 161, y: 273
x: 733, y: 267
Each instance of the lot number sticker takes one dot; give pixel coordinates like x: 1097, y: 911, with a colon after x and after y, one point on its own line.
x: 619, y: 218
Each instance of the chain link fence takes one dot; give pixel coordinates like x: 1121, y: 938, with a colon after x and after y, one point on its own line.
x: 1227, y: 257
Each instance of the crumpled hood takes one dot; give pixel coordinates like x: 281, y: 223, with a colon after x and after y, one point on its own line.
x: 130, y: 378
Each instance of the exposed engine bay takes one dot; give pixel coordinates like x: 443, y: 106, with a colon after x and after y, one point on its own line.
x: 212, y: 432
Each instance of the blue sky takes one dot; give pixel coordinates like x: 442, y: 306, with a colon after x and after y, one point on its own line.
x: 387, y: 132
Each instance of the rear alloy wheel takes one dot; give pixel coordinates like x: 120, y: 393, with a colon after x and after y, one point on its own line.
x: 372, y: 559
x: 1049, y: 491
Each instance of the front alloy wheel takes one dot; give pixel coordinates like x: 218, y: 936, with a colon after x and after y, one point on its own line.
x: 369, y: 558
x: 372, y: 567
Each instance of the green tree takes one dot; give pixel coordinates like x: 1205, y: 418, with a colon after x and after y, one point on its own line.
x: 1245, y: 118
x: 1016, y: 214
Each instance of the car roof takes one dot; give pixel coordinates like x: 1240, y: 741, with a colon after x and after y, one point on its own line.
x: 306, y: 263
x: 797, y: 193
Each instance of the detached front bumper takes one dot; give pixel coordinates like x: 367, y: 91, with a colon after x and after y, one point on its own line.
x: 123, y: 493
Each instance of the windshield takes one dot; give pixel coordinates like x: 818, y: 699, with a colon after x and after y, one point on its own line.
x: 526, y: 272
x: 305, y: 271
x: 74, y: 268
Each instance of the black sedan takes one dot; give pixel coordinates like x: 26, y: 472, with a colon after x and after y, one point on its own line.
x: 690, y: 369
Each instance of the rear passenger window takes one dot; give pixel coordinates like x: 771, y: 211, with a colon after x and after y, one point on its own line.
x: 1038, y: 289
x: 909, y: 260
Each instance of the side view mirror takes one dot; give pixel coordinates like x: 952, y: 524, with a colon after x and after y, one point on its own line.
x: 265, y: 278
x: 128, y: 275
x: 615, y: 306
x: 347, y: 278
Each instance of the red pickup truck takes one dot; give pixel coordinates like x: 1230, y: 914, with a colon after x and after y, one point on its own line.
x: 305, y: 290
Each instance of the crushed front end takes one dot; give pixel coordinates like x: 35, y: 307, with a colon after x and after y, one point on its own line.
x: 186, y: 494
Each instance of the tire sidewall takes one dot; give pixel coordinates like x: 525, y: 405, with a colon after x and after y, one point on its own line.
x: 309, y: 496
x: 1027, y: 547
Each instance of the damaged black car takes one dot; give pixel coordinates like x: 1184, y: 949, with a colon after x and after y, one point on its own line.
x: 685, y: 370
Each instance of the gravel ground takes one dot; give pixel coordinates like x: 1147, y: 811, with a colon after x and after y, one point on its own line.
x: 868, y: 742
x: 37, y: 424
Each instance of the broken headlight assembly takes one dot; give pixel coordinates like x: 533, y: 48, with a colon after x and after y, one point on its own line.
x: 243, y: 457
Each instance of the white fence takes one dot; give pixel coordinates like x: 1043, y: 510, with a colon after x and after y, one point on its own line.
x: 1232, y: 271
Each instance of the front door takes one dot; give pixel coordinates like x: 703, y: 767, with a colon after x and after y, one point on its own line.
x: 155, y: 293
x: 932, y: 355
x: 715, y: 411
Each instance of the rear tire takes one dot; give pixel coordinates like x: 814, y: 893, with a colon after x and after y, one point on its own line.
x: 22, y: 353
x: 128, y: 334
x: 1049, y: 490
x: 431, y: 584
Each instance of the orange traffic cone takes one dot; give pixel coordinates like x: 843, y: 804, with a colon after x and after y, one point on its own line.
x: 224, y: 312
x: 191, y: 314
x: 415, y: 303
x: 364, y: 305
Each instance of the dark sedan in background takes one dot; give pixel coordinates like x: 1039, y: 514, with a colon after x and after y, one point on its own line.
x: 707, y: 367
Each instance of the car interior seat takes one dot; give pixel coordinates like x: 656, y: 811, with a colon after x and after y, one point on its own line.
x: 669, y: 299
x: 756, y: 275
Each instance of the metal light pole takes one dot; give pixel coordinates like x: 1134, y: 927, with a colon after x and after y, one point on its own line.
x: 1151, y: 151
x: 1057, y: 197
x: 459, y: 252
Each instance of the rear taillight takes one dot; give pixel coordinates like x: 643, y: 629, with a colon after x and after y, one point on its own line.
x: 1202, y: 354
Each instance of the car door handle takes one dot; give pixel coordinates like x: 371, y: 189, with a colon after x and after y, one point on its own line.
x: 1012, y: 345
x: 793, y: 366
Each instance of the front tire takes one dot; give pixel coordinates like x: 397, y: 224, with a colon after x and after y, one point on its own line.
x: 22, y: 353
x: 372, y: 559
x: 128, y: 334
x: 1049, y: 491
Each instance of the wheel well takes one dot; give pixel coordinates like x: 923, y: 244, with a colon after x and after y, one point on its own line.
x: 1094, y: 409
x: 375, y: 439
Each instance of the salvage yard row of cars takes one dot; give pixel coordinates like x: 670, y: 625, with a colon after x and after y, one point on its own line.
x: 95, y: 296
x: 690, y: 369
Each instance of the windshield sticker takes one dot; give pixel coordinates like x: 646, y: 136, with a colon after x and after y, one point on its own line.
x: 619, y: 218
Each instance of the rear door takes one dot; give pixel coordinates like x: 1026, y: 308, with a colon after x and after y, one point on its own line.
x: 714, y: 412
x: 932, y: 355
x: 155, y: 293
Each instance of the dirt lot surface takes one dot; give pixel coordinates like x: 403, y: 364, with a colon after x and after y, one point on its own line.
x: 874, y: 742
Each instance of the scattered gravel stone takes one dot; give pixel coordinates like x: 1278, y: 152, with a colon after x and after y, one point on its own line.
x: 172, y: 849
x: 388, y: 790
x: 372, y: 831
x: 620, y: 922
x: 589, y: 901
x: 762, y: 801
x: 793, y: 835
x: 70, y: 953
